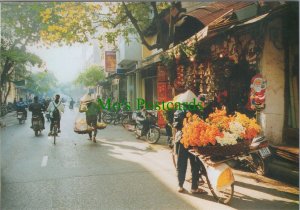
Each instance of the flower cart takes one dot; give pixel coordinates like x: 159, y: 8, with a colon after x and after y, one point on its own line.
x: 215, y: 141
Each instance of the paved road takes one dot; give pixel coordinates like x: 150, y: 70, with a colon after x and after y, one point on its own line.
x: 117, y: 172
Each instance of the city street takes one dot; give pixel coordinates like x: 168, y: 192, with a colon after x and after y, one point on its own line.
x: 117, y: 172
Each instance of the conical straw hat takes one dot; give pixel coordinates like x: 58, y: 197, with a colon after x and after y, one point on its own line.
x: 187, y: 96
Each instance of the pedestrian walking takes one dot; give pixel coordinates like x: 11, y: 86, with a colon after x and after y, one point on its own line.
x: 92, y: 110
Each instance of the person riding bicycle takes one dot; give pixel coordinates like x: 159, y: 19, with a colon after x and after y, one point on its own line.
x: 21, y: 107
x: 55, y: 108
x: 37, y: 110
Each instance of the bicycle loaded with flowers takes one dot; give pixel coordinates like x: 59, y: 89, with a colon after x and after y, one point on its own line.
x: 219, y: 134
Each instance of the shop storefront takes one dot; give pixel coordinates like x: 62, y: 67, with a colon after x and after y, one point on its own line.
x: 233, y: 66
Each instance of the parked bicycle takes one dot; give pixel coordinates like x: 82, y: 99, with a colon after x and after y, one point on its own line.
x: 113, y: 117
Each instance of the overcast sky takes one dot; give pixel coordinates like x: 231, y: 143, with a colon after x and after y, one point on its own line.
x: 65, y: 62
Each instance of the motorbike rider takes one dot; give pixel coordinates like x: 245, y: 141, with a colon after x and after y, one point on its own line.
x: 37, y: 110
x: 183, y: 155
x: 146, y: 120
x: 21, y: 107
x: 72, y: 102
x: 55, y: 108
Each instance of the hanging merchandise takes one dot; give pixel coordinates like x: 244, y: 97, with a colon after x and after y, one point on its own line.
x: 233, y: 50
x: 214, y: 52
x: 207, y: 81
x: 190, y: 79
x: 179, y: 81
x: 257, y: 93
x: 252, y: 54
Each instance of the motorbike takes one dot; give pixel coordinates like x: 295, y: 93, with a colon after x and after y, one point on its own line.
x: 37, y: 125
x: 129, y: 119
x: 257, y: 159
x: 71, y: 106
x: 21, y: 117
x: 152, y: 133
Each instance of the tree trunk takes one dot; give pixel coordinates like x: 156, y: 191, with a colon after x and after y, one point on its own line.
x: 7, y: 93
x: 1, y: 95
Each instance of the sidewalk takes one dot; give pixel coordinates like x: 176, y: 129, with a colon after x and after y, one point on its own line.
x: 285, y: 164
x: 8, y: 120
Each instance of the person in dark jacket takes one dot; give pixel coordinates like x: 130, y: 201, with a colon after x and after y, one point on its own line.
x: 21, y: 107
x: 37, y: 110
x: 183, y: 156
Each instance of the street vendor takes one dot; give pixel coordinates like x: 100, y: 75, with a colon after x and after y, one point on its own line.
x: 92, y: 112
x: 183, y: 155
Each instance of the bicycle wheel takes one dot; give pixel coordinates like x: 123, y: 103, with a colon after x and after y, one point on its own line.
x: 153, y: 135
x: 125, y: 121
x: 54, y: 134
x: 107, y: 118
x: 117, y: 120
x: 223, y: 196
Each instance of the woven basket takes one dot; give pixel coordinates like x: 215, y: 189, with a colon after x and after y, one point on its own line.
x: 222, y: 151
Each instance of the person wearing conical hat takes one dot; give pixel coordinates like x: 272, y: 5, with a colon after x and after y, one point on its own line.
x: 91, y: 114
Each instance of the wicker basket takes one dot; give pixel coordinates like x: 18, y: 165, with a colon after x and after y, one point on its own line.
x: 222, y: 151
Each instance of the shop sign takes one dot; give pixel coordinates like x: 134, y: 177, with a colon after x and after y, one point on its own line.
x: 110, y: 61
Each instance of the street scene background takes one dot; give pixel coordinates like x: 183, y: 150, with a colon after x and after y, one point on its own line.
x: 238, y: 60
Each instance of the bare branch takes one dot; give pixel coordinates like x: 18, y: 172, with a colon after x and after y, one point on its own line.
x: 136, y: 26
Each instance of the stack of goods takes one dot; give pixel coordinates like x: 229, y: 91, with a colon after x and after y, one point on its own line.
x: 101, y: 125
x: 82, y: 127
x: 219, y: 131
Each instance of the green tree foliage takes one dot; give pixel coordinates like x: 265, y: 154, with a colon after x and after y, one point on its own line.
x: 41, y: 82
x: 71, y: 22
x: 91, y: 76
x: 20, y: 26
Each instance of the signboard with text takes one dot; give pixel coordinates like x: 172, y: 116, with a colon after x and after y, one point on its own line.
x: 110, y: 61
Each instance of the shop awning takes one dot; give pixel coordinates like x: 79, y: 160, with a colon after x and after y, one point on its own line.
x: 217, y: 28
x: 147, y: 63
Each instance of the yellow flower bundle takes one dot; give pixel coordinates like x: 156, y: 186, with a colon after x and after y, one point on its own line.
x: 197, y: 132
